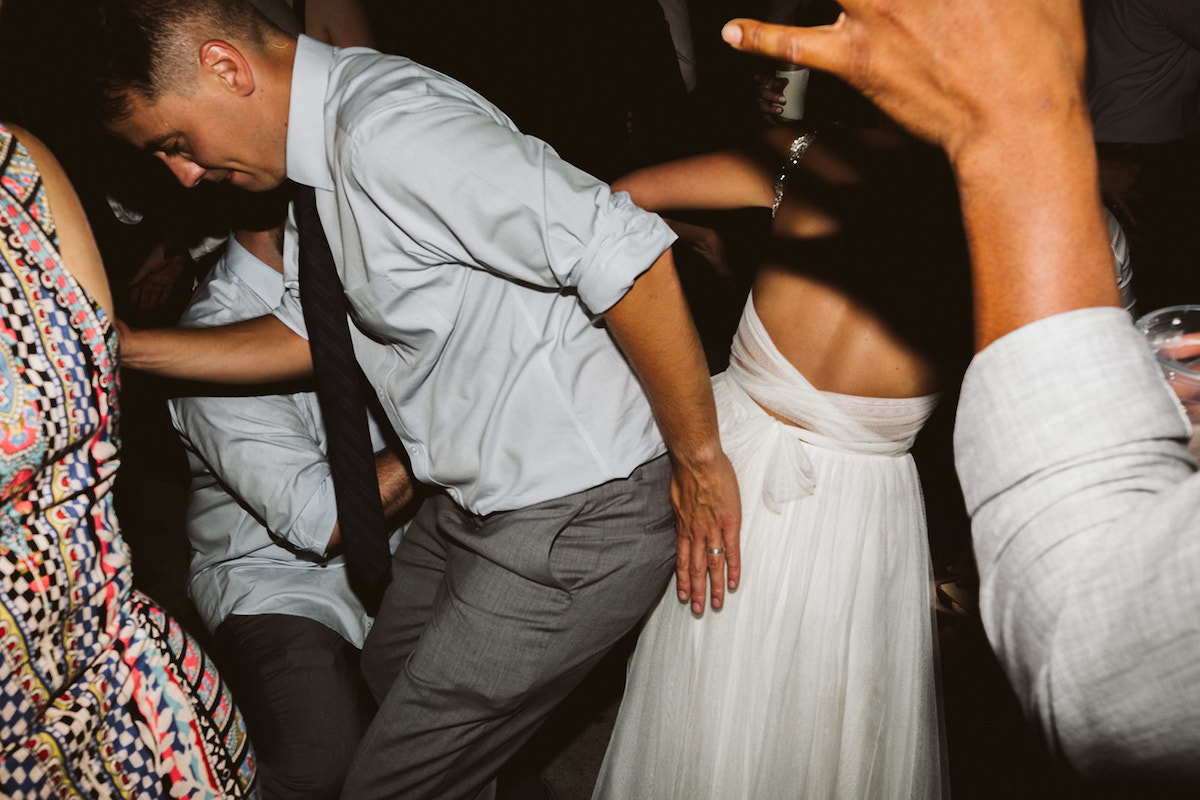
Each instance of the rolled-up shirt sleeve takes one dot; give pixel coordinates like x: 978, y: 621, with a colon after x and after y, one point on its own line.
x: 1085, y: 513
x: 266, y: 454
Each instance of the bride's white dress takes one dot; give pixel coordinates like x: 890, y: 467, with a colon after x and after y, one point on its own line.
x: 817, y: 678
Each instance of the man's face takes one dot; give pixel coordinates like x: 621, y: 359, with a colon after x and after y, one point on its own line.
x: 200, y: 137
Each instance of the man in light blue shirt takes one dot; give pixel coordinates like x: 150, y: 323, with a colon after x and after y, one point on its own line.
x: 527, y: 338
x: 266, y: 581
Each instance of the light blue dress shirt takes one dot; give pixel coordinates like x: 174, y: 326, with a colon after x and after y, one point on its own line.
x: 478, y: 262
x: 1085, y: 513
x: 261, y: 506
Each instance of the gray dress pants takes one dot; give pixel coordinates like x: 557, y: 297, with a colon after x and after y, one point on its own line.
x: 490, y: 621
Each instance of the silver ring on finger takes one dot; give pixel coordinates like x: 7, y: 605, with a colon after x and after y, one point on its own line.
x: 716, y: 551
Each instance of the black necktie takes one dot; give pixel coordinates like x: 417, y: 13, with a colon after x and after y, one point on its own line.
x: 340, y: 390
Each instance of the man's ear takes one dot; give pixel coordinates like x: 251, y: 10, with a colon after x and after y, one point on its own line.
x: 225, y: 63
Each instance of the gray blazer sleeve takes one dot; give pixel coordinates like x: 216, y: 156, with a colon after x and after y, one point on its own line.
x: 1085, y: 512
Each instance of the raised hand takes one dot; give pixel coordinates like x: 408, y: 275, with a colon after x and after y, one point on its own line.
x: 998, y: 84
x: 949, y: 70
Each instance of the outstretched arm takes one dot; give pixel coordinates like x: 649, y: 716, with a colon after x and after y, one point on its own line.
x: 261, y: 350
x: 713, y: 181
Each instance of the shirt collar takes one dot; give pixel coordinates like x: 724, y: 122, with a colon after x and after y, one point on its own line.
x: 261, y: 278
x: 306, y: 160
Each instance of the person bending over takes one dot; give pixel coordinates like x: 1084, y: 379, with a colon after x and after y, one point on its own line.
x: 526, y: 336
x: 267, y: 573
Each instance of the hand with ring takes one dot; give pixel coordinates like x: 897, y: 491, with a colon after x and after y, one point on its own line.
x: 708, y: 518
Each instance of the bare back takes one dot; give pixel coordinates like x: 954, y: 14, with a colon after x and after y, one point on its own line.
x: 864, y: 288
x: 838, y: 345
x: 831, y: 242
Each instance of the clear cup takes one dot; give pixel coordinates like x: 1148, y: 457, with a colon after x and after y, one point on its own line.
x: 794, y: 92
x: 1173, y: 333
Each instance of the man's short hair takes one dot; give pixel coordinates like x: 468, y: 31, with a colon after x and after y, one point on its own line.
x: 139, y: 49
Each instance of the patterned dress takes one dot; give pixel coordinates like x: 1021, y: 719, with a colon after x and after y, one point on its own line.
x: 102, y: 695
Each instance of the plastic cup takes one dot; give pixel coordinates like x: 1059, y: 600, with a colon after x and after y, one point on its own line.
x: 794, y: 92
x: 1173, y: 334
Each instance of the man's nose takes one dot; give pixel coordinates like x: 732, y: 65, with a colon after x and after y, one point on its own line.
x: 186, y: 172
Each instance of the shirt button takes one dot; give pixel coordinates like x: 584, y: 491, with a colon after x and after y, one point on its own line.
x: 453, y: 493
x: 412, y: 448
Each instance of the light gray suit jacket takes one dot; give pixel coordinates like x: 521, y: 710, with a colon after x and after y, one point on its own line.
x: 1085, y: 514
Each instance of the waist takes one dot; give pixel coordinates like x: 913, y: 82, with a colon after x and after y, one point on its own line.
x: 841, y: 422
x: 505, y: 461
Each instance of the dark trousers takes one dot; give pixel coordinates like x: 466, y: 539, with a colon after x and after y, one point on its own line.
x: 299, y: 686
x: 489, y: 623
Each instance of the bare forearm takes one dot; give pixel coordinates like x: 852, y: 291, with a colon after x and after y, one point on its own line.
x: 395, y: 491
x: 654, y: 328
x: 395, y: 484
x: 261, y: 350
x: 1038, y: 239
x: 722, y: 180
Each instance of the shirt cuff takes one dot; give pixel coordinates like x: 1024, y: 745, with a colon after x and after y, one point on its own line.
x: 626, y: 244
x: 314, y: 523
x: 1055, y: 390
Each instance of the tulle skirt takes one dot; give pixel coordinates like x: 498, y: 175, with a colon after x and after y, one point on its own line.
x: 817, y: 678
